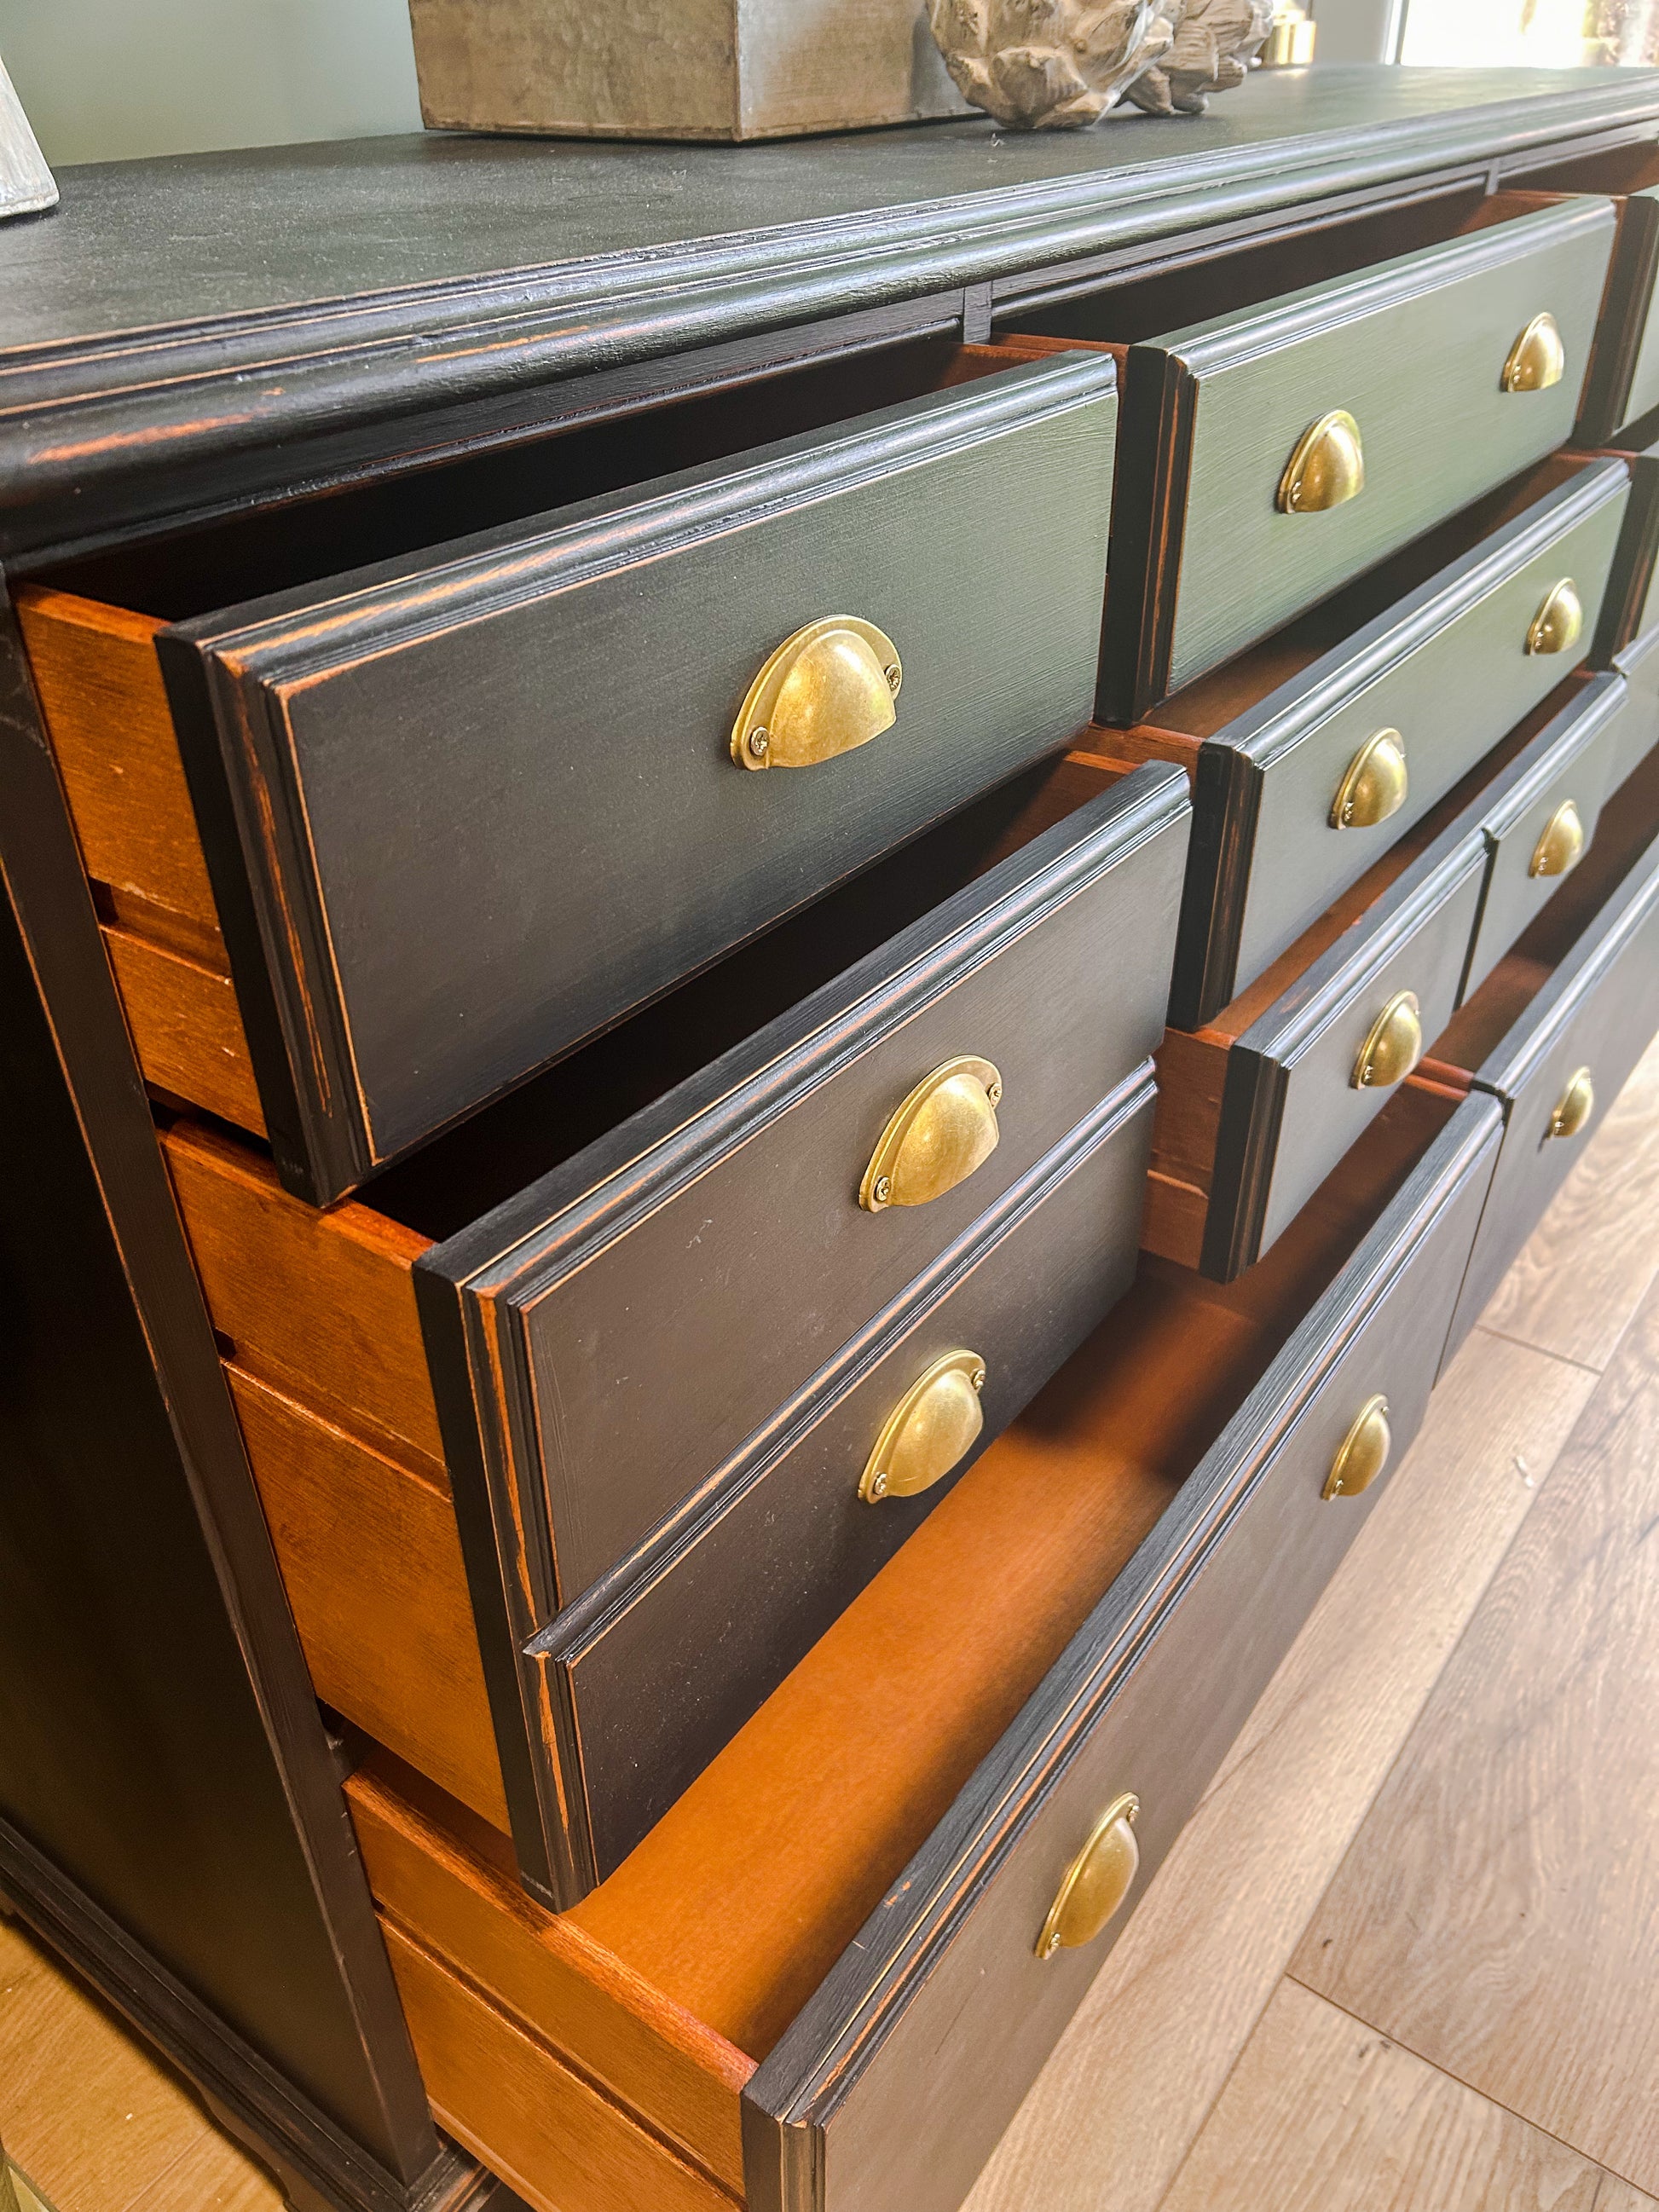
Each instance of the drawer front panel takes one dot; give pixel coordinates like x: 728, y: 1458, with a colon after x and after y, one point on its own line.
x: 1291, y: 1107
x: 462, y: 814
x: 656, y: 1671
x: 893, y: 2085
x: 1639, y: 664
x: 1599, y: 1013
x: 1532, y: 831
x: 1642, y: 219
x: 1414, y: 351
x: 651, y: 1304
x: 1451, y: 696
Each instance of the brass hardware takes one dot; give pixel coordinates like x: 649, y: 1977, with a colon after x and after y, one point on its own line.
x: 1290, y: 36
x: 1394, y: 1045
x: 1362, y: 1453
x: 1561, y: 847
x: 941, y: 1133
x: 1097, y: 1881
x: 1537, y: 359
x: 929, y: 1429
x: 1327, y: 467
x: 1375, y: 785
x: 1574, y: 1107
x: 827, y: 689
x: 1559, y: 623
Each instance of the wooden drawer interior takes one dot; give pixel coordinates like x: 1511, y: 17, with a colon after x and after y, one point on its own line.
x: 710, y: 1936
x: 89, y: 630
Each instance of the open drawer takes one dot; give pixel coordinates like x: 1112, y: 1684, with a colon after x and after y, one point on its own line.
x: 1323, y: 746
x: 1256, y: 1106
x: 452, y: 812
x: 1304, y: 429
x: 1558, y: 1027
x: 673, y: 1295
x: 826, y: 1978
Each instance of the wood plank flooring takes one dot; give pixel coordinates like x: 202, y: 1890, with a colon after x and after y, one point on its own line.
x: 1404, y: 1958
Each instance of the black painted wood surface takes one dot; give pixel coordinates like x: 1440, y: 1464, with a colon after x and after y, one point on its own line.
x: 1290, y: 1108
x: 484, y: 804
x: 654, y: 1672
x: 1598, y: 1009
x: 1442, y: 664
x: 382, y: 297
x: 893, y: 2084
x: 1414, y: 348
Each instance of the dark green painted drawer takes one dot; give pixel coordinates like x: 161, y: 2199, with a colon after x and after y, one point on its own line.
x: 467, y: 808
x: 1541, y: 813
x: 1208, y: 555
x: 1439, y: 659
x: 891, y: 2086
x: 1561, y: 1053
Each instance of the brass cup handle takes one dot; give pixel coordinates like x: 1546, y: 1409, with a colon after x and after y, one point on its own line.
x: 1375, y: 785
x: 932, y: 1426
x: 1559, y: 623
x: 1362, y: 1453
x: 1574, y: 1107
x: 1561, y: 846
x: 1327, y: 466
x: 1393, y: 1046
x: 1538, y: 358
x: 826, y: 690
x: 936, y: 1137
x: 1097, y: 1881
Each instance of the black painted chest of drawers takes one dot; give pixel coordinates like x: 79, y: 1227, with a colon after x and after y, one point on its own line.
x: 816, y: 917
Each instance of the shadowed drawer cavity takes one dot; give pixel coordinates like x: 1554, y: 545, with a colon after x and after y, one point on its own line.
x: 463, y: 810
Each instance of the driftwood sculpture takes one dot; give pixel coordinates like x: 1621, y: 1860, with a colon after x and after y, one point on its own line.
x: 1059, y: 64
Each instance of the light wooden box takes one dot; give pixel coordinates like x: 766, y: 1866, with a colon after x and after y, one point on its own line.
x: 677, y: 68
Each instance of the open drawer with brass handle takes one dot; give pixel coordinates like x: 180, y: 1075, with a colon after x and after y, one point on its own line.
x: 1321, y: 747
x: 597, y: 711
x: 1256, y: 1106
x: 1558, y: 1025
x: 711, y: 1253
x: 1275, y: 450
x: 825, y: 1979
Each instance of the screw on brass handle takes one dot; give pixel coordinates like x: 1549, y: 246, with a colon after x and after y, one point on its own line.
x: 827, y: 689
x: 1559, y: 623
x: 936, y: 1137
x: 1097, y: 1882
x: 1537, y: 359
x: 1326, y: 467
x: 1375, y: 785
x: 932, y: 1427
x: 1561, y: 847
x: 1393, y: 1046
x: 1362, y: 1453
x: 1574, y: 1107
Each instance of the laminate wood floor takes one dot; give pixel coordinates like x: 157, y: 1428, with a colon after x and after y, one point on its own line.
x: 1405, y: 1956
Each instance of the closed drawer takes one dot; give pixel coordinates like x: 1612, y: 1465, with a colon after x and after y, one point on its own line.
x: 1639, y: 664
x: 652, y: 1673
x: 635, y: 1276
x: 1273, y: 453
x: 1560, y: 1025
x: 1542, y: 811
x: 463, y: 808
x: 1436, y: 655
x: 1623, y: 384
x: 1258, y: 1107
x: 817, y: 1979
